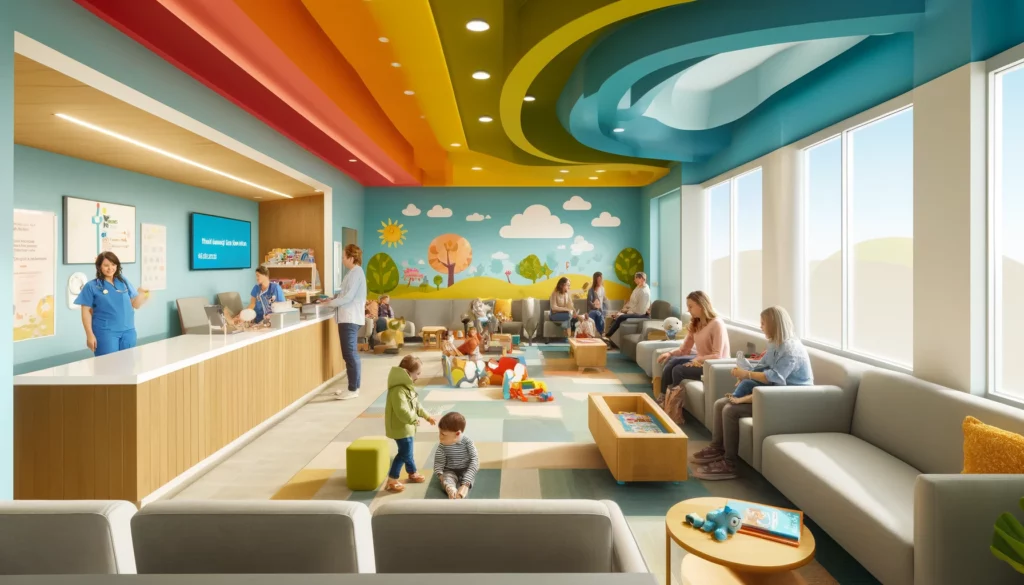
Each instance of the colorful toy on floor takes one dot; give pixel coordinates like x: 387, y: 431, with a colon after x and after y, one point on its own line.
x: 721, y: 523
x: 496, y: 369
x: 463, y: 372
x: 472, y: 344
x: 524, y: 389
x: 394, y: 335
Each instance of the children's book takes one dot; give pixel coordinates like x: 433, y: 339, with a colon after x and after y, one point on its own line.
x: 768, y: 522
x: 640, y: 423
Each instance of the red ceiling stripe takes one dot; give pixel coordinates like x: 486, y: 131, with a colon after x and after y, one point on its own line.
x: 156, y: 28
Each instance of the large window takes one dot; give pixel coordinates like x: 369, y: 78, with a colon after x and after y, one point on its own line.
x: 858, y: 239
x: 734, y: 247
x: 1006, y: 228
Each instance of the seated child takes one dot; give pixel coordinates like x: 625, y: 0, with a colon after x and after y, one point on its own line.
x: 402, y: 412
x: 456, y: 461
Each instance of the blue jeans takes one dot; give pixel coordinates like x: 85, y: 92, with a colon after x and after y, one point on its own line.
x: 746, y: 388
x: 108, y: 342
x: 562, y: 318
x: 347, y: 334
x: 404, y: 457
x: 668, y: 377
x: 598, y: 317
x: 622, y: 319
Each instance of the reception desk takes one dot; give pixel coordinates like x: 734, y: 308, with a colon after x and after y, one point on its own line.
x: 123, y: 426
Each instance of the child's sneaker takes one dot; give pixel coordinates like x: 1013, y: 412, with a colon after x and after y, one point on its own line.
x: 717, y: 471
x: 416, y: 478
x: 707, y: 455
x: 395, y: 487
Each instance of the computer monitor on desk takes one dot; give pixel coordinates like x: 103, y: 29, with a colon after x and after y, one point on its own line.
x: 221, y: 323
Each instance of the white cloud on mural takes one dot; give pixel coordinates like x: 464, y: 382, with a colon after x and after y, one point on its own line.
x: 562, y: 247
x: 411, y: 210
x: 536, y: 222
x: 581, y: 245
x: 488, y: 217
x: 606, y: 220
x: 421, y: 262
x: 438, y: 211
x: 499, y: 256
x: 577, y: 203
x: 476, y: 217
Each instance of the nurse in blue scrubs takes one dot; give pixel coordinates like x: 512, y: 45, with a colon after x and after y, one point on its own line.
x: 108, y: 307
x: 264, y: 294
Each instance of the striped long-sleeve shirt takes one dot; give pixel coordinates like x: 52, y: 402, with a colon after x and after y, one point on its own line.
x: 460, y: 457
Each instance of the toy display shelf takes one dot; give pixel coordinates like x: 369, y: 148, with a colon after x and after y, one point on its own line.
x: 311, y: 267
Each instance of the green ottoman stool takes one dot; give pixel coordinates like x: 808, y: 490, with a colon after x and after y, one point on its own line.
x: 367, y: 461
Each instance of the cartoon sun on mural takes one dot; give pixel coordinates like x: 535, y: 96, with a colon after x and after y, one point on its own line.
x: 392, y: 235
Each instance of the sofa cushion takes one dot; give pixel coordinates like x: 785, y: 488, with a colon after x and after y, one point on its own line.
x: 695, y: 400
x: 747, y: 439
x: 989, y: 449
x: 647, y: 354
x: 832, y: 370
x: 862, y: 496
x: 740, y: 338
x: 629, y: 343
x: 920, y: 422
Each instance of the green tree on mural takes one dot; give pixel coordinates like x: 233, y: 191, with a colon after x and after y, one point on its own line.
x: 547, y: 272
x: 381, y: 274
x: 627, y: 263
x: 438, y: 281
x: 530, y: 268
x: 424, y: 286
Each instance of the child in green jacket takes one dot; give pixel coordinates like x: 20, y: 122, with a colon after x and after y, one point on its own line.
x: 401, y: 415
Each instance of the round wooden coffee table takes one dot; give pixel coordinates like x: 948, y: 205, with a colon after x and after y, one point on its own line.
x: 741, y: 560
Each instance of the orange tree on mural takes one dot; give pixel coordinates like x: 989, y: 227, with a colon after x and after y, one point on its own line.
x: 450, y: 254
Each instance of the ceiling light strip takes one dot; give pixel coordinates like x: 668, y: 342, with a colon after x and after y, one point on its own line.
x: 170, y: 155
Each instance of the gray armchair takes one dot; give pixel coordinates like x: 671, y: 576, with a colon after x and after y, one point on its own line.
x: 631, y: 332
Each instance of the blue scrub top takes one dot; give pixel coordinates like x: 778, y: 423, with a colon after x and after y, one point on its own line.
x: 111, y: 304
x: 266, y: 298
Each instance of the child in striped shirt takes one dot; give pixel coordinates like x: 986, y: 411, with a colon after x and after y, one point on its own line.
x: 456, y: 461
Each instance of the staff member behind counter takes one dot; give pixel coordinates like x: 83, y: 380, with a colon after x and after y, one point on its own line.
x: 265, y: 294
x: 108, y: 308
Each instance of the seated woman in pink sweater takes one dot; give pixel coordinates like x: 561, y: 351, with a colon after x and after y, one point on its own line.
x: 706, y: 332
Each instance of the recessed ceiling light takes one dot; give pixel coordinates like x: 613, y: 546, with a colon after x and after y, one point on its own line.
x: 593, y: 178
x: 171, y: 155
x: 619, y: 130
x: 529, y: 98
x: 383, y: 39
x: 478, y: 168
x: 481, y: 75
x: 456, y: 145
x: 564, y: 171
x: 352, y: 160
x: 409, y: 92
x: 477, y: 26
x: 559, y: 180
x: 486, y: 119
x: 396, y: 64
x: 599, y: 171
x: 257, y: 197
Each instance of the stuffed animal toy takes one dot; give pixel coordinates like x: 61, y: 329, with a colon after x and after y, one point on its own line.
x: 585, y: 327
x: 672, y: 327
x: 721, y: 523
x: 395, y: 333
x: 472, y: 344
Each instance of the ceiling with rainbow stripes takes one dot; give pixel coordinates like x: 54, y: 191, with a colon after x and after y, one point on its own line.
x: 504, y: 92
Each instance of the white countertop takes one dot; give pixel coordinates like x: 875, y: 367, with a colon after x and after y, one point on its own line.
x: 146, y: 362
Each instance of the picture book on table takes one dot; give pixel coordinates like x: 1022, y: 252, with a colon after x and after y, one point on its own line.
x: 778, y: 524
x: 640, y: 423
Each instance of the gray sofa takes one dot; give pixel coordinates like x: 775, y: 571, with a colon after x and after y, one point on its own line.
x: 448, y: 314
x: 878, y: 468
x: 633, y: 331
x: 504, y: 536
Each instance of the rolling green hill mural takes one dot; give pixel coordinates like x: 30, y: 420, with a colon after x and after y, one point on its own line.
x: 450, y: 243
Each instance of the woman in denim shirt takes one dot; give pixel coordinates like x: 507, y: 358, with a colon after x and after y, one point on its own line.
x: 785, y: 363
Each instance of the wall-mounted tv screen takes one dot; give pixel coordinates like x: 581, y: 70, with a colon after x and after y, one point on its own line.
x: 220, y: 243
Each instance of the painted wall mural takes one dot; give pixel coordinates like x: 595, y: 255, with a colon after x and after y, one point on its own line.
x: 451, y: 243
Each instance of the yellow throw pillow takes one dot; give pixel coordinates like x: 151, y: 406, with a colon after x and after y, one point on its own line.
x: 989, y: 449
x: 503, y: 306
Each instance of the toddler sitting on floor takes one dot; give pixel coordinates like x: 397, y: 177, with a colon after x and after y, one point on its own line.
x: 456, y: 461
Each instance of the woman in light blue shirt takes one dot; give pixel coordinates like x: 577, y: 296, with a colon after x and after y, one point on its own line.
x: 785, y: 363
x: 351, y: 305
x: 264, y: 294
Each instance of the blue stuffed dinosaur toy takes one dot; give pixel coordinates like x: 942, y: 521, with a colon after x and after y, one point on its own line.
x: 721, y: 523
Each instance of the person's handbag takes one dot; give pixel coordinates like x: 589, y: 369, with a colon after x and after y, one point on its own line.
x: 675, y: 400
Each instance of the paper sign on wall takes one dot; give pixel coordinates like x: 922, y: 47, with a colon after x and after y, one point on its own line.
x: 92, y: 227
x: 154, y: 256
x: 35, y: 259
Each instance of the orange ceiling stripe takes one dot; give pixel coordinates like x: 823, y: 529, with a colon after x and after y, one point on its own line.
x: 225, y: 25
x: 353, y: 29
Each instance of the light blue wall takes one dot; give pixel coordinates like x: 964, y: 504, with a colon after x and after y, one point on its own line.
x: 502, y: 204
x: 70, y: 29
x: 6, y: 248
x: 41, y: 179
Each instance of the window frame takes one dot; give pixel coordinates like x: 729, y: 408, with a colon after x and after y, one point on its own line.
x: 843, y: 131
x: 732, y: 178
x: 1011, y: 60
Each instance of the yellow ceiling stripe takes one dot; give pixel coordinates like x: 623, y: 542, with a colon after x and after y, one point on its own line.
x: 518, y: 82
x: 497, y: 172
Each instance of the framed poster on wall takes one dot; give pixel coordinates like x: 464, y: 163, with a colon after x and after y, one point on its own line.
x: 92, y: 227
x: 154, y: 256
x: 35, y: 274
